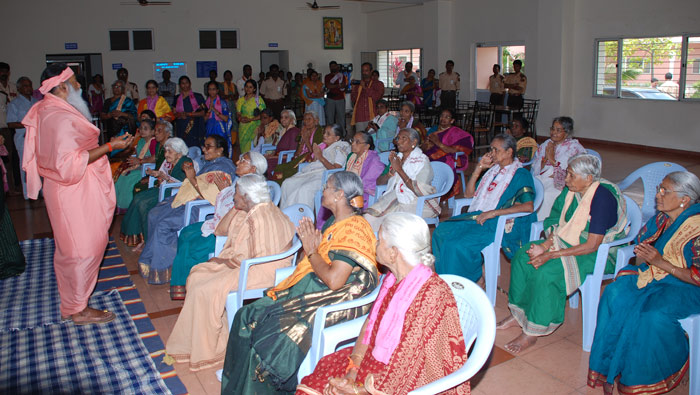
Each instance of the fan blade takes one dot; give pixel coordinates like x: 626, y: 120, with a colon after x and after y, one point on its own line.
x: 309, y: 4
x: 329, y: 7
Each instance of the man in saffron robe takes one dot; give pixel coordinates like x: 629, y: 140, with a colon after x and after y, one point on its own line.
x: 61, y: 145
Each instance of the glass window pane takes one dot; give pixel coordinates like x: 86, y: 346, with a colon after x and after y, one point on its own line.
x: 606, y: 68
x: 383, y: 66
x: 207, y: 39
x: 692, y: 77
x: 143, y: 40
x: 486, y: 57
x: 651, y: 67
x: 509, y: 54
x: 228, y: 38
x: 119, y: 40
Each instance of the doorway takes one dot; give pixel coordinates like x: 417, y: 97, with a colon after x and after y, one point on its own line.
x: 84, y: 65
x: 280, y: 58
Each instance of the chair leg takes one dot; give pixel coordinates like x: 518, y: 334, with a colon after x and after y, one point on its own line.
x: 492, y: 265
x: 692, y: 327
x: 573, y: 300
x: 590, y: 299
x: 231, y: 307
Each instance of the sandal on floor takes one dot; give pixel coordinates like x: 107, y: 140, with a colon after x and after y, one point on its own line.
x: 102, y: 318
x: 178, y: 292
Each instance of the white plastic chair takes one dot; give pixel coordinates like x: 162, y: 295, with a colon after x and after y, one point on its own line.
x: 461, y: 170
x: 590, y: 289
x: 594, y: 153
x: 285, y: 156
x: 691, y: 325
x: 146, y: 166
x: 194, y: 153
x: 384, y: 157
x: 234, y: 300
x: 651, y: 176
x: 492, y: 252
x: 476, y: 317
x: 174, y: 188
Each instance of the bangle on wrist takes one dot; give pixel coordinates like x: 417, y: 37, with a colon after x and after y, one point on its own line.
x: 109, y: 145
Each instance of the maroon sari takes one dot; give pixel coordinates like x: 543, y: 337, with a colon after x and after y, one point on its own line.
x: 289, y: 141
x: 456, y: 138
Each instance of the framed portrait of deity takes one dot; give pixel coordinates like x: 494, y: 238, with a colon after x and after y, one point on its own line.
x: 332, y: 33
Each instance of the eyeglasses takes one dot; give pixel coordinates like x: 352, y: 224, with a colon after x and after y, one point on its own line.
x: 557, y: 130
x: 208, y: 146
x: 243, y: 159
x: 495, y: 149
x: 663, y: 191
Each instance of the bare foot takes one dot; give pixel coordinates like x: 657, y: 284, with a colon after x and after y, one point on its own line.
x: 507, y: 322
x: 139, y: 248
x: 520, y: 343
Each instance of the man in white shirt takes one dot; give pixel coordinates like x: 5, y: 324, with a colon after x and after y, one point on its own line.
x: 131, y: 90
x: 240, y: 84
x: 404, y: 76
x: 273, y: 90
x: 16, y: 111
x: 669, y: 86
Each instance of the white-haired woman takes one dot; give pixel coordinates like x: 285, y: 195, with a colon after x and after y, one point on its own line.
x: 638, y: 341
x: 331, y: 154
x: 271, y: 336
x: 410, y: 175
x: 412, y: 335
x: 311, y: 133
x: 551, y: 159
x: 289, y: 138
x: 255, y: 228
x: 588, y: 212
x: 196, y: 241
x: 134, y: 228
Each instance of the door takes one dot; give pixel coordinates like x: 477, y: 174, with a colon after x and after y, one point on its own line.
x: 280, y: 58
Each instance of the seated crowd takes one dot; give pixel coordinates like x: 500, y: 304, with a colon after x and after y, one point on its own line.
x: 364, y: 188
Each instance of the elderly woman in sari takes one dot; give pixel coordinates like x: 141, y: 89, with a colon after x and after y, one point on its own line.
x: 155, y: 103
x: 269, y: 131
x: 129, y: 172
x: 164, y: 131
x: 638, y: 341
x: 271, y: 336
x: 505, y: 188
x: 588, y: 212
x: 196, y: 241
x: 118, y: 113
x: 443, y: 145
x: 248, y: 109
x: 312, y: 93
x: 409, y: 176
x: 288, y: 140
x: 527, y: 146
x: 412, y: 335
x: 407, y: 121
x: 551, y: 159
x: 311, y: 134
x: 363, y: 161
x: 189, y: 115
x: 413, y: 92
x: 383, y: 126
x: 217, y: 115
x: 167, y: 217
x: 331, y: 154
x: 133, y: 228
x: 255, y: 228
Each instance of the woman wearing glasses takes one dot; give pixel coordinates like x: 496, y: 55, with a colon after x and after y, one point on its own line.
x: 505, y: 188
x: 638, y: 338
x: 588, y: 212
x: 551, y: 160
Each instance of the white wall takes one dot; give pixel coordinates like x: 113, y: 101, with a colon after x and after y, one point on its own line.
x: 43, y: 26
x: 559, y: 38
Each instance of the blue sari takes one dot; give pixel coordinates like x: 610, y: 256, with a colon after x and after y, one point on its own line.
x: 638, y: 337
x: 156, y: 260
x: 219, y: 127
x: 457, y: 242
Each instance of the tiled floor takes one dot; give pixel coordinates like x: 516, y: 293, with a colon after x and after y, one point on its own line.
x: 556, y: 364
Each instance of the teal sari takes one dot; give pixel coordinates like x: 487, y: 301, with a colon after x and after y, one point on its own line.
x: 134, y: 228
x: 638, y: 337
x: 457, y: 242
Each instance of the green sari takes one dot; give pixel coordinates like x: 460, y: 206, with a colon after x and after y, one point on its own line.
x: 134, y: 228
x: 11, y: 258
x: 160, y: 158
x: 270, y: 337
x: 537, y: 297
x: 124, y: 186
x: 247, y: 130
x: 286, y: 170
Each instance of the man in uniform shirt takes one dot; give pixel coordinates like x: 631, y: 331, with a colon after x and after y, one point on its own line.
x: 273, y: 91
x: 449, y: 85
x: 516, y: 83
x: 240, y: 84
x: 130, y: 89
x: 496, y: 86
x: 335, y: 83
x: 16, y: 111
x: 167, y: 88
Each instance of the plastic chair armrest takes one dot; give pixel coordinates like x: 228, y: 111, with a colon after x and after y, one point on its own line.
x: 204, y: 212
x: 420, y: 202
x: 285, y: 156
x: 166, y: 186
x: 462, y: 203
x: 151, y: 182
x: 336, y: 334
x: 192, y: 204
x: 624, y: 255
x: 283, y: 273
x: 536, y: 229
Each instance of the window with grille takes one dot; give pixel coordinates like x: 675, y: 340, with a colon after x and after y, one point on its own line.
x: 391, y: 62
x: 218, y: 39
x: 131, y: 39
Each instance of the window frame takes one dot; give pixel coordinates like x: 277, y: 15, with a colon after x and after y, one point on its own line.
x: 218, y: 31
x: 620, y: 59
x: 131, y: 31
x: 420, y: 59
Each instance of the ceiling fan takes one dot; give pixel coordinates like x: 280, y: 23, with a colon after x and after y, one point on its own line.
x: 145, y: 3
x: 316, y: 7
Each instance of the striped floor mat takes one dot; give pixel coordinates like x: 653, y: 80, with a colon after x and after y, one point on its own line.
x: 40, y: 354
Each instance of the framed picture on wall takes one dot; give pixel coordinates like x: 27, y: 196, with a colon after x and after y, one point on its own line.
x: 332, y: 33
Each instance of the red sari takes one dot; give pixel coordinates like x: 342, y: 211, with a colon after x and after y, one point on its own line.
x: 431, y: 347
